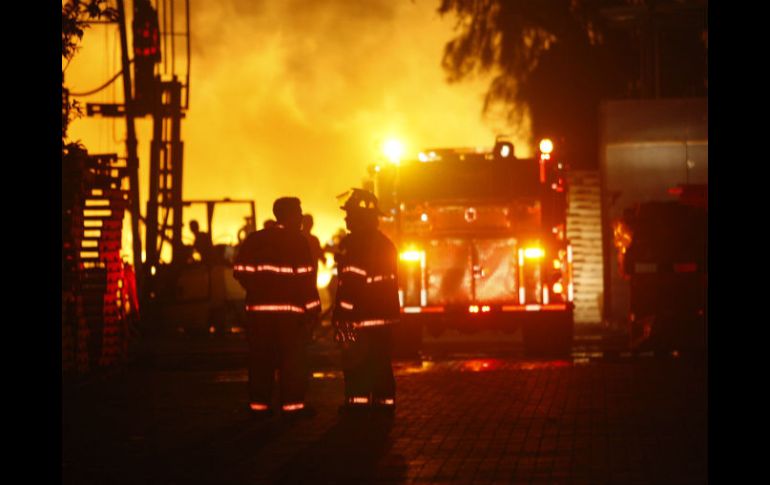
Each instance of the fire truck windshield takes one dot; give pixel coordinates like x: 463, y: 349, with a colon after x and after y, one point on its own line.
x: 488, y: 180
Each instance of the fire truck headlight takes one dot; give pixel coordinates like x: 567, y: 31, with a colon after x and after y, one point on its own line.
x: 558, y: 288
x: 503, y: 149
x: 534, y: 253
x: 546, y: 146
x: 411, y: 255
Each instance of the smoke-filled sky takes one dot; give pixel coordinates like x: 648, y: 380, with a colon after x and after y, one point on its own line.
x: 296, y: 98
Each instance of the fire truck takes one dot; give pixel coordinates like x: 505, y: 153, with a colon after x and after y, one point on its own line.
x: 662, y: 251
x: 481, y: 236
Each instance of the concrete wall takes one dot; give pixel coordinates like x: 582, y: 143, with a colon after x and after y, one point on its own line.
x: 584, y: 231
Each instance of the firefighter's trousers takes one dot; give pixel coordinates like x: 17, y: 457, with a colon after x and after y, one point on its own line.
x: 367, y: 368
x: 277, y: 342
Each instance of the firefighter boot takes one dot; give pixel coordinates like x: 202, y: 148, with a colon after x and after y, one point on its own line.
x: 291, y: 412
x: 260, y: 411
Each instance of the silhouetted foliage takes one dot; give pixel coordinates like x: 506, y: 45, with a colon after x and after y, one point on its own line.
x: 508, y: 37
x: 562, y: 57
x: 75, y: 18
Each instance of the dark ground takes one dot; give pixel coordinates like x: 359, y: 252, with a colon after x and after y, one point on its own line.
x: 476, y: 412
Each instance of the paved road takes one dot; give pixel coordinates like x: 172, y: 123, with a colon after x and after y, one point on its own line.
x: 476, y: 414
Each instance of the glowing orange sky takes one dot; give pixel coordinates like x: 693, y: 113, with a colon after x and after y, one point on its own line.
x: 296, y: 98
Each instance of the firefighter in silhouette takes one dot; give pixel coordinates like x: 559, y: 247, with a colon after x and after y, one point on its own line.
x: 366, y: 306
x: 275, y: 267
x: 313, y: 242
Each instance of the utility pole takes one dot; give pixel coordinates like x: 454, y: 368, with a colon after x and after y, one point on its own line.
x: 177, y: 166
x: 132, y: 159
x: 163, y: 100
x: 149, y: 94
x: 166, y: 174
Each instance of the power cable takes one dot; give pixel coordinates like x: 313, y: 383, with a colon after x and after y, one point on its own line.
x: 103, y: 86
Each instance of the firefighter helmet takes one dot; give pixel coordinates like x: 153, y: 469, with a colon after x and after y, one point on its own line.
x: 359, y: 199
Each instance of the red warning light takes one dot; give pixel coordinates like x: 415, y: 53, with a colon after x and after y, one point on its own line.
x: 675, y: 191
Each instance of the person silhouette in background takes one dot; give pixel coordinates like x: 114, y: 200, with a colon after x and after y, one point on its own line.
x: 315, y: 245
x: 202, y: 244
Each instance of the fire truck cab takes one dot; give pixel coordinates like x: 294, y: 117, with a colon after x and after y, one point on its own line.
x: 481, y: 236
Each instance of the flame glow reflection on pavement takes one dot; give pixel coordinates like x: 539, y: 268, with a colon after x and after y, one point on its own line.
x: 484, y: 365
x: 403, y: 368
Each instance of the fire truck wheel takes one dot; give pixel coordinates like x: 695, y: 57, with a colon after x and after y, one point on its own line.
x: 407, y: 339
x: 435, y: 331
x: 548, y: 338
x: 217, y: 318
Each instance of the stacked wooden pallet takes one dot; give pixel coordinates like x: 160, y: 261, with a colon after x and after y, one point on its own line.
x: 94, y: 332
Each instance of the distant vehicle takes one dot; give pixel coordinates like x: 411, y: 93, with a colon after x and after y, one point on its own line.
x: 482, y: 244
x: 662, y: 251
x: 646, y: 147
x: 194, y: 296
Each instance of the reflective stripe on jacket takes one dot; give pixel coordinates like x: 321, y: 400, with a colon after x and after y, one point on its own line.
x: 276, y: 268
x: 367, y: 289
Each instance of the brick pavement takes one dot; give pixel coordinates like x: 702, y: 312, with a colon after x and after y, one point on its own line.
x: 463, y: 420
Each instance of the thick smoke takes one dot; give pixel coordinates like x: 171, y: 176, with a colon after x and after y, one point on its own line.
x: 296, y: 97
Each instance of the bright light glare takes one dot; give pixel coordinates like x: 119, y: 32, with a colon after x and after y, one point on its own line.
x: 324, y: 277
x: 546, y: 145
x: 558, y: 288
x: 411, y: 255
x: 534, y: 253
x: 505, y: 151
x: 393, y: 150
x: 424, y: 217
